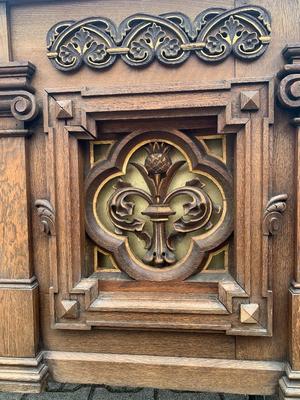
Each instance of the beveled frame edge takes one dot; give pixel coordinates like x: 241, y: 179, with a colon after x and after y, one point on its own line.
x: 81, y: 122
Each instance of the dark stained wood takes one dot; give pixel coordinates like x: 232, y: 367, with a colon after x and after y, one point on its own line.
x: 234, y: 329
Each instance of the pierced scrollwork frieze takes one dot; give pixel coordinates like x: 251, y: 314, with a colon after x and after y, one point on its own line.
x: 170, y: 38
x: 47, y: 216
x: 273, y: 214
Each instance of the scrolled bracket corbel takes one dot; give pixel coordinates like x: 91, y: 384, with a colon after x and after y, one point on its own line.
x: 17, y: 98
x: 21, y: 104
x: 288, y: 92
x: 272, y: 219
x: 47, y: 216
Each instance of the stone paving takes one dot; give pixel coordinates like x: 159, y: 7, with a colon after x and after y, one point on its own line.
x: 65, y: 391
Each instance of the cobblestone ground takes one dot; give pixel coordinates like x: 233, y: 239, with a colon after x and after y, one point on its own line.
x: 65, y: 391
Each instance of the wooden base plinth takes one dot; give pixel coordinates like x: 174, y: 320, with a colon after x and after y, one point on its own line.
x: 200, y: 374
x: 289, y: 385
x: 23, y: 375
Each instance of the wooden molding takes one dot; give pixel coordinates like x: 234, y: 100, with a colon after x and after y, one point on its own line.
x: 289, y: 384
x: 170, y: 38
x: 23, y: 375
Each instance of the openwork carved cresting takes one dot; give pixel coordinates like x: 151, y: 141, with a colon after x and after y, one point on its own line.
x: 171, y: 210
x: 170, y: 38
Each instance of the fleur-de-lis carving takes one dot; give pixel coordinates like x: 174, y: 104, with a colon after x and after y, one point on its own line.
x: 158, y: 172
x: 154, y: 42
x: 232, y: 36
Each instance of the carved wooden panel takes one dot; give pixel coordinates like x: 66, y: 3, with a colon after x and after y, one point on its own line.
x: 125, y: 152
x: 170, y: 38
x: 158, y: 169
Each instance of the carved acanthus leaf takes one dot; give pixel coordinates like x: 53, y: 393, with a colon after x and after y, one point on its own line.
x: 47, y: 216
x: 273, y: 214
x: 170, y: 38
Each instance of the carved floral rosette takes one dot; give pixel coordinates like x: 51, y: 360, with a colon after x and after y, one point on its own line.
x: 170, y: 38
x: 159, y: 262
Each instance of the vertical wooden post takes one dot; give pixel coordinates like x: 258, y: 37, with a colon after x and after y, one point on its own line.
x: 21, y: 366
x: 289, y: 97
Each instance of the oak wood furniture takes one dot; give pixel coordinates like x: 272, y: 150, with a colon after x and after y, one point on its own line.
x: 149, y: 194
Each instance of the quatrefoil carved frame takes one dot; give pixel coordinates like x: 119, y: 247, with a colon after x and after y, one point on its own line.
x: 200, y: 161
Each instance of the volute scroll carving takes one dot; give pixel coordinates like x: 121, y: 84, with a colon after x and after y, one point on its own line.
x: 289, y: 79
x: 170, y: 38
x: 273, y: 214
x: 160, y: 226
x: 19, y: 100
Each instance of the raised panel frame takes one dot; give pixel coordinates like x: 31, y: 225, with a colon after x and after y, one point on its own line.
x: 243, y: 108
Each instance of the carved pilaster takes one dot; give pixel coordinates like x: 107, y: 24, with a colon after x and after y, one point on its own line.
x: 18, y: 285
x: 289, y: 98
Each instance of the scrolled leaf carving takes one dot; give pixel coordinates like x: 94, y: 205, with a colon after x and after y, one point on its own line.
x: 47, y: 216
x: 170, y: 38
x: 273, y: 214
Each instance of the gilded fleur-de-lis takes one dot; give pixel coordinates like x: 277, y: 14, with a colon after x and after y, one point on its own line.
x: 158, y: 172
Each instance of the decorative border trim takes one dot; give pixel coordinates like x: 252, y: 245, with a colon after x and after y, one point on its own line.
x: 170, y: 38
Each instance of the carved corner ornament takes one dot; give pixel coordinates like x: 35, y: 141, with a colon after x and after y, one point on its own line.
x: 273, y: 214
x: 249, y: 313
x: 64, y: 109
x: 170, y: 38
x: 68, y: 309
x: 47, y: 216
x: 17, y: 97
x: 250, y: 100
